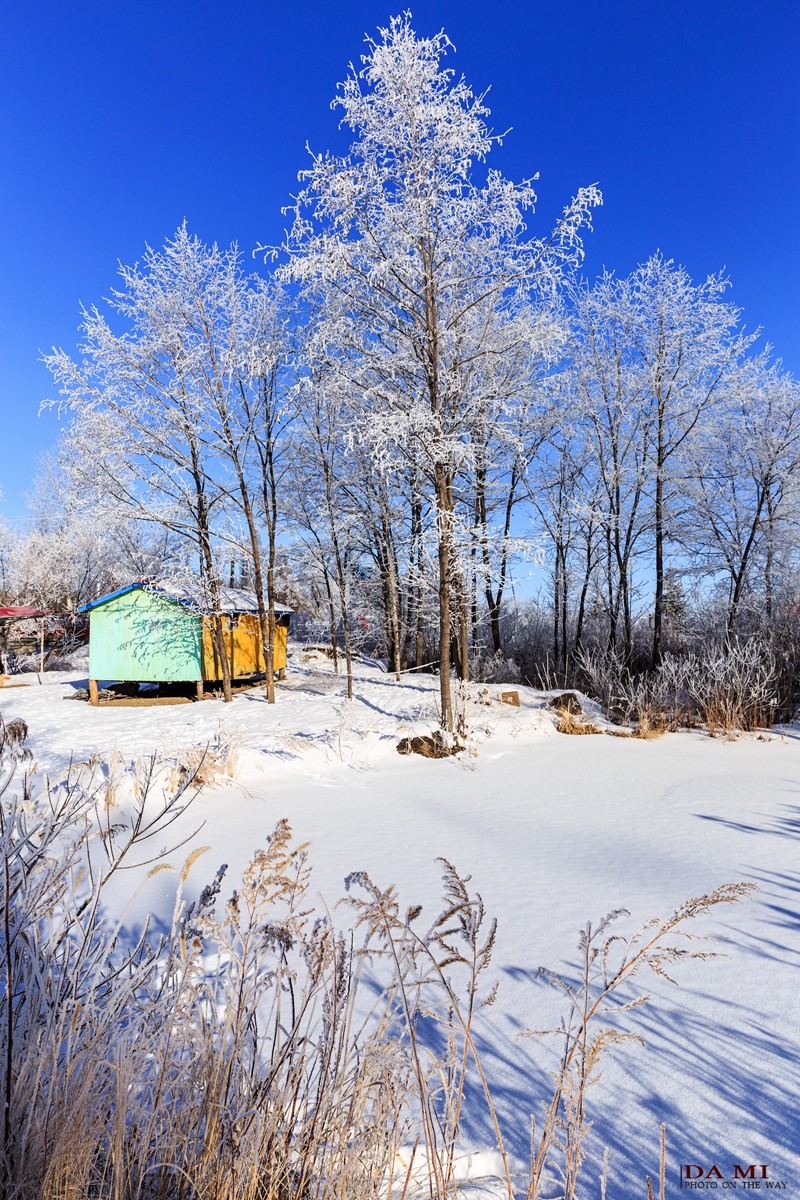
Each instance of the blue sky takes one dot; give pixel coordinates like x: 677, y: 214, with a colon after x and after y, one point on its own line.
x: 120, y: 119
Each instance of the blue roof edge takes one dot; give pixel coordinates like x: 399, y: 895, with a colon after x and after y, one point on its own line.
x: 132, y: 587
x: 111, y: 596
x: 280, y: 609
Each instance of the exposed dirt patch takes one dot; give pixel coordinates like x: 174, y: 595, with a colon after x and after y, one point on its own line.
x: 429, y: 745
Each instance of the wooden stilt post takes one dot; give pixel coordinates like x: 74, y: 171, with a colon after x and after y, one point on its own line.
x: 200, y: 689
x: 281, y: 672
x: 94, y: 697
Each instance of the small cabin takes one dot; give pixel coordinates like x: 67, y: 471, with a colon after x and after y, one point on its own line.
x: 161, y: 633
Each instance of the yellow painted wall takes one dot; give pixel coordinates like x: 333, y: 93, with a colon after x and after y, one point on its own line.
x: 243, y: 644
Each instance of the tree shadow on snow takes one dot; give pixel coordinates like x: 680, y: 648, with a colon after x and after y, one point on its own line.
x: 694, y: 1069
x: 785, y: 824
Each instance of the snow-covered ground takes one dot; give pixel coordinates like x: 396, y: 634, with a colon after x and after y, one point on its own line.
x: 554, y: 830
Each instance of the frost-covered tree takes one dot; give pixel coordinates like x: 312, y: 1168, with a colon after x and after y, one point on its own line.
x: 507, y: 435
x: 566, y: 493
x: 742, y: 486
x: 141, y: 383
x: 686, y: 340
x: 77, y: 543
x: 174, y: 392
x: 604, y: 388
x: 250, y: 422
x: 323, y: 479
x: 418, y: 260
x: 652, y: 356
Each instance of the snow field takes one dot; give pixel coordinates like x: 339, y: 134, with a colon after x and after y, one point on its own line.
x: 555, y: 831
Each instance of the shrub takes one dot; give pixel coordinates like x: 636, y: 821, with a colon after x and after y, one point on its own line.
x: 494, y: 668
x: 735, y: 688
x: 728, y: 689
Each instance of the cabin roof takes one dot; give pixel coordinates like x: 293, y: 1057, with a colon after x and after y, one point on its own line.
x: 192, y: 594
x: 19, y: 612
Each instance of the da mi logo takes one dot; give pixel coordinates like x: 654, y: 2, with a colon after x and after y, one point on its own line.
x: 740, y: 1175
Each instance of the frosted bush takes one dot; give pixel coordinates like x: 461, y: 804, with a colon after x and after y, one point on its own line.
x: 735, y: 688
x: 729, y: 689
x: 495, y: 668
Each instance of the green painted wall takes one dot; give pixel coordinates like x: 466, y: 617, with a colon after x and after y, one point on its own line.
x: 144, y: 637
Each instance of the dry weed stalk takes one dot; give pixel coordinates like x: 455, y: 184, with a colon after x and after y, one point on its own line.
x: 219, y: 1058
x: 662, y: 1177
x: 436, y: 976
x: 608, y: 962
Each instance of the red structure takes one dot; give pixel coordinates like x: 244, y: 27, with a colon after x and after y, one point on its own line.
x: 7, y: 618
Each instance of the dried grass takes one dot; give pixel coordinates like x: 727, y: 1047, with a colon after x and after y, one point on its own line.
x: 216, y: 762
x: 642, y: 733
x: 567, y: 723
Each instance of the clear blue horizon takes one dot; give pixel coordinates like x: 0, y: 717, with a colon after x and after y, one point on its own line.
x: 121, y: 121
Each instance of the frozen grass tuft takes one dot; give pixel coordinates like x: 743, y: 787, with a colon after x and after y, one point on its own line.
x: 212, y: 764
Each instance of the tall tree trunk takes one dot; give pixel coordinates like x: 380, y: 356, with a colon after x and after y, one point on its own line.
x: 394, y: 616
x: 391, y: 597
x: 419, y: 640
x: 611, y: 593
x: 444, y: 529
x: 494, y: 597
x: 211, y: 581
x: 587, y: 576
x: 658, y: 606
x: 564, y: 610
x: 623, y: 594
x: 406, y: 650
x: 462, y: 637
x: 627, y: 618
x: 556, y: 611
x: 344, y: 605
x: 769, y: 583
x: 264, y: 423
x: 266, y: 612
x: 739, y: 577
x: 331, y: 618
x: 341, y: 575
